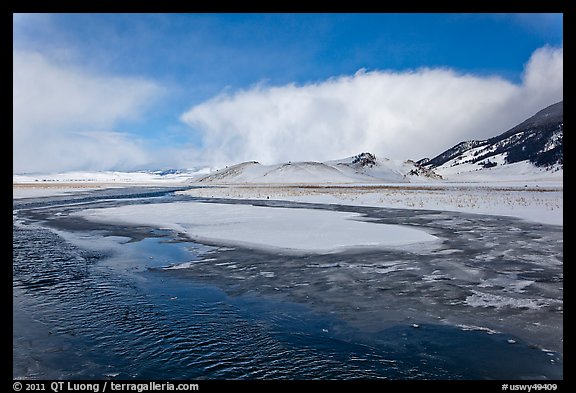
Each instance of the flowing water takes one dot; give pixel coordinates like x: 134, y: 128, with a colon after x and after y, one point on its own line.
x: 97, y: 301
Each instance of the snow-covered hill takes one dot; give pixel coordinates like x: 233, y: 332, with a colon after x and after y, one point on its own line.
x: 363, y: 168
x: 533, y: 149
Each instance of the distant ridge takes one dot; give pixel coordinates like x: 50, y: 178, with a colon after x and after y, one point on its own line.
x: 537, y: 140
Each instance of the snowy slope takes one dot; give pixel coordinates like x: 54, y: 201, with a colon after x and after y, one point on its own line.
x: 532, y: 149
x: 363, y: 168
x: 522, y: 171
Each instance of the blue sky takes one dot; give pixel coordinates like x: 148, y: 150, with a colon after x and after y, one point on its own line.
x: 192, y: 89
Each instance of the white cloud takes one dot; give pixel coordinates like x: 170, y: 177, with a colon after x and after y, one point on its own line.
x: 544, y: 77
x: 57, y: 108
x: 403, y: 115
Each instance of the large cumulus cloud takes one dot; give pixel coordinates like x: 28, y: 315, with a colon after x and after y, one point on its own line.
x: 411, y: 114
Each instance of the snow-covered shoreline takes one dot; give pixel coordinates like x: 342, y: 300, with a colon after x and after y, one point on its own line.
x: 542, y: 203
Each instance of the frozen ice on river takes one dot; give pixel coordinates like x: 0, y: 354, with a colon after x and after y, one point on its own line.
x: 300, y: 230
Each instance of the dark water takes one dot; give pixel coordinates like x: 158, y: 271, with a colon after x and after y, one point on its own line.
x: 94, y: 301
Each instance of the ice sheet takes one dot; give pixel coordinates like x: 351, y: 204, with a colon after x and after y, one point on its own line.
x: 300, y: 230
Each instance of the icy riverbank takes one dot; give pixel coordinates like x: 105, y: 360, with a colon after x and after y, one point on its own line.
x: 533, y: 202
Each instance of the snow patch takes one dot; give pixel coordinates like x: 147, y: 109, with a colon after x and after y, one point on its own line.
x: 297, y: 230
x: 482, y: 299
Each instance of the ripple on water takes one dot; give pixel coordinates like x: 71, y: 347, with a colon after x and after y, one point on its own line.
x: 92, y: 318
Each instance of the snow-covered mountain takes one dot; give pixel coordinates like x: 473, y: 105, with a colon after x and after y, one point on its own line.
x: 363, y: 168
x: 532, y: 147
